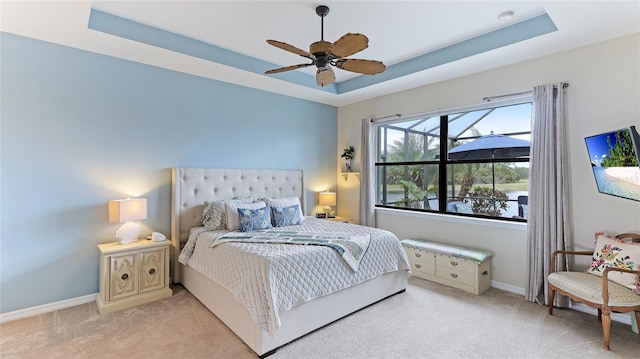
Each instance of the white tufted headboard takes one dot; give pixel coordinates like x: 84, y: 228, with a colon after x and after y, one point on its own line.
x: 191, y: 187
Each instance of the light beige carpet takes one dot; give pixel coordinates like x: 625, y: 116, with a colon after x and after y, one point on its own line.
x: 428, y: 321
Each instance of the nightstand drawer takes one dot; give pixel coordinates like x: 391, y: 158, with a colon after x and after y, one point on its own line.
x: 151, y: 270
x: 123, y: 276
x: 455, y: 263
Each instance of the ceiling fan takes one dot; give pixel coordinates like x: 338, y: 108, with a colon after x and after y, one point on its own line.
x: 324, y: 54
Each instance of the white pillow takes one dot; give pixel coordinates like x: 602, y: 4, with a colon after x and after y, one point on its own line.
x: 233, y: 218
x: 286, y: 202
x: 214, y: 213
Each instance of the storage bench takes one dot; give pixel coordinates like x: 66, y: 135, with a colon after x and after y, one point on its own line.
x: 463, y: 268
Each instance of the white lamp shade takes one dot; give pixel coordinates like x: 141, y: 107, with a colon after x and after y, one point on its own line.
x: 130, y: 209
x: 327, y: 198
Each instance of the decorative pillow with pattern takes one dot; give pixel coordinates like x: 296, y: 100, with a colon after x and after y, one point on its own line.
x: 286, y: 202
x: 233, y: 218
x: 254, y: 219
x: 614, y: 252
x: 286, y: 216
x: 214, y: 214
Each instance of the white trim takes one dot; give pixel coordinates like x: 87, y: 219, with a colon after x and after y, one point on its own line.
x: 46, y: 308
x: 456, y: 219
x: 507, y: 288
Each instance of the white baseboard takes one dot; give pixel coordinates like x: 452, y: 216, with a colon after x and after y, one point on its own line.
x: 623, y: 318
x: 46, y: 308
x: 507, y: 287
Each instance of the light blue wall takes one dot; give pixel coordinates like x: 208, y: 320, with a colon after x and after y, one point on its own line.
x: 79, y: 129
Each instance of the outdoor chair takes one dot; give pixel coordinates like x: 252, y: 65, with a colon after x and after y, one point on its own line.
x: 603, y: 286
x: 523, y: 206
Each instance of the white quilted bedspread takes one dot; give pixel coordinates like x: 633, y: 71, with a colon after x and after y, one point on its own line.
x: 271, y: 278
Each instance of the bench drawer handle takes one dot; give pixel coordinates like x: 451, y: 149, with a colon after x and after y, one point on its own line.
x: 418, y: 265
x: 418, y: 254
x: 454, y: 263
x: 453, y: 275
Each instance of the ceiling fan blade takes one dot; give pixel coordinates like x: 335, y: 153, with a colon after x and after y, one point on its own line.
x: 290, y: 48
x: 367, y: 67
x: 288, y: 68
x: 325, y: 76
x: 349, y: 44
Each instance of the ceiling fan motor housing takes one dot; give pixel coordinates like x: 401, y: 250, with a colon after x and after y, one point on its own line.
x: 320, y: 50
x: 320, y: 47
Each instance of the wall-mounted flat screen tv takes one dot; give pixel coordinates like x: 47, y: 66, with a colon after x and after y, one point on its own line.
x: 615, y: 160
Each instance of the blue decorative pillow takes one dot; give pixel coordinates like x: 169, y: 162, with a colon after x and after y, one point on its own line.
x: 254, y: 219
x: 286, y: 216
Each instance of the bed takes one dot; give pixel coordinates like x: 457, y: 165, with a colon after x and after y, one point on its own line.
x: 192, y: 187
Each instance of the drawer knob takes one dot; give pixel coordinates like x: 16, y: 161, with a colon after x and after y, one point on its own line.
x: 454, y: 263
x: 453, y: 275
x: 418, y: 265
x: 152, y: 271
x: 418, y: 254
x: 125, y: 276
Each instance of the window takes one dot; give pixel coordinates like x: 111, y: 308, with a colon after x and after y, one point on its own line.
x: 481, y: 169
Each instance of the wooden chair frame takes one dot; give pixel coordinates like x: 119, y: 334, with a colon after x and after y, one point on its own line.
x: 604, y: 310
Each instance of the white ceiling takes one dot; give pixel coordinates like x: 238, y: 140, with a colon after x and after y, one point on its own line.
x: 397, y: 31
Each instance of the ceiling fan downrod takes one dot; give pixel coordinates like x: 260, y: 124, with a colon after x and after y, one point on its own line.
x: 319, y: 49
x: 322, y: 11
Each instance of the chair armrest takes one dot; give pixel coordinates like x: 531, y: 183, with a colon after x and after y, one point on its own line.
x: 553, y: 257
x: 634, y: 237
x: 605, y: 281
x: 608, y: 269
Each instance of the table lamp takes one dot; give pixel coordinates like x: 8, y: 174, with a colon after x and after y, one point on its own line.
x: 125, y: 211
x: 327, y: 199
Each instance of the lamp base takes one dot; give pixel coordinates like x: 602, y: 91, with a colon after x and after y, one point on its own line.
x: 128, y: 233
x: 327, y: 210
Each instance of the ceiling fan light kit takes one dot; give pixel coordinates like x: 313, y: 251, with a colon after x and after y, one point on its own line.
x: 324, y: 54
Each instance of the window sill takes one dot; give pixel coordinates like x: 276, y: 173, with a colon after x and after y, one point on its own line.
x: 455, y: 219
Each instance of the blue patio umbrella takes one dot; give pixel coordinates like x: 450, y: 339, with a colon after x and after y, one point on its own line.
x: 491, y: 146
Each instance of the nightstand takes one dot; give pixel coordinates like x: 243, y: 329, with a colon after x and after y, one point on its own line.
x: 339, y: 219
x: 132, y: 274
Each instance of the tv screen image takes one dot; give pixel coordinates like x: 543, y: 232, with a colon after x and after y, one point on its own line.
x: 615, y: 160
